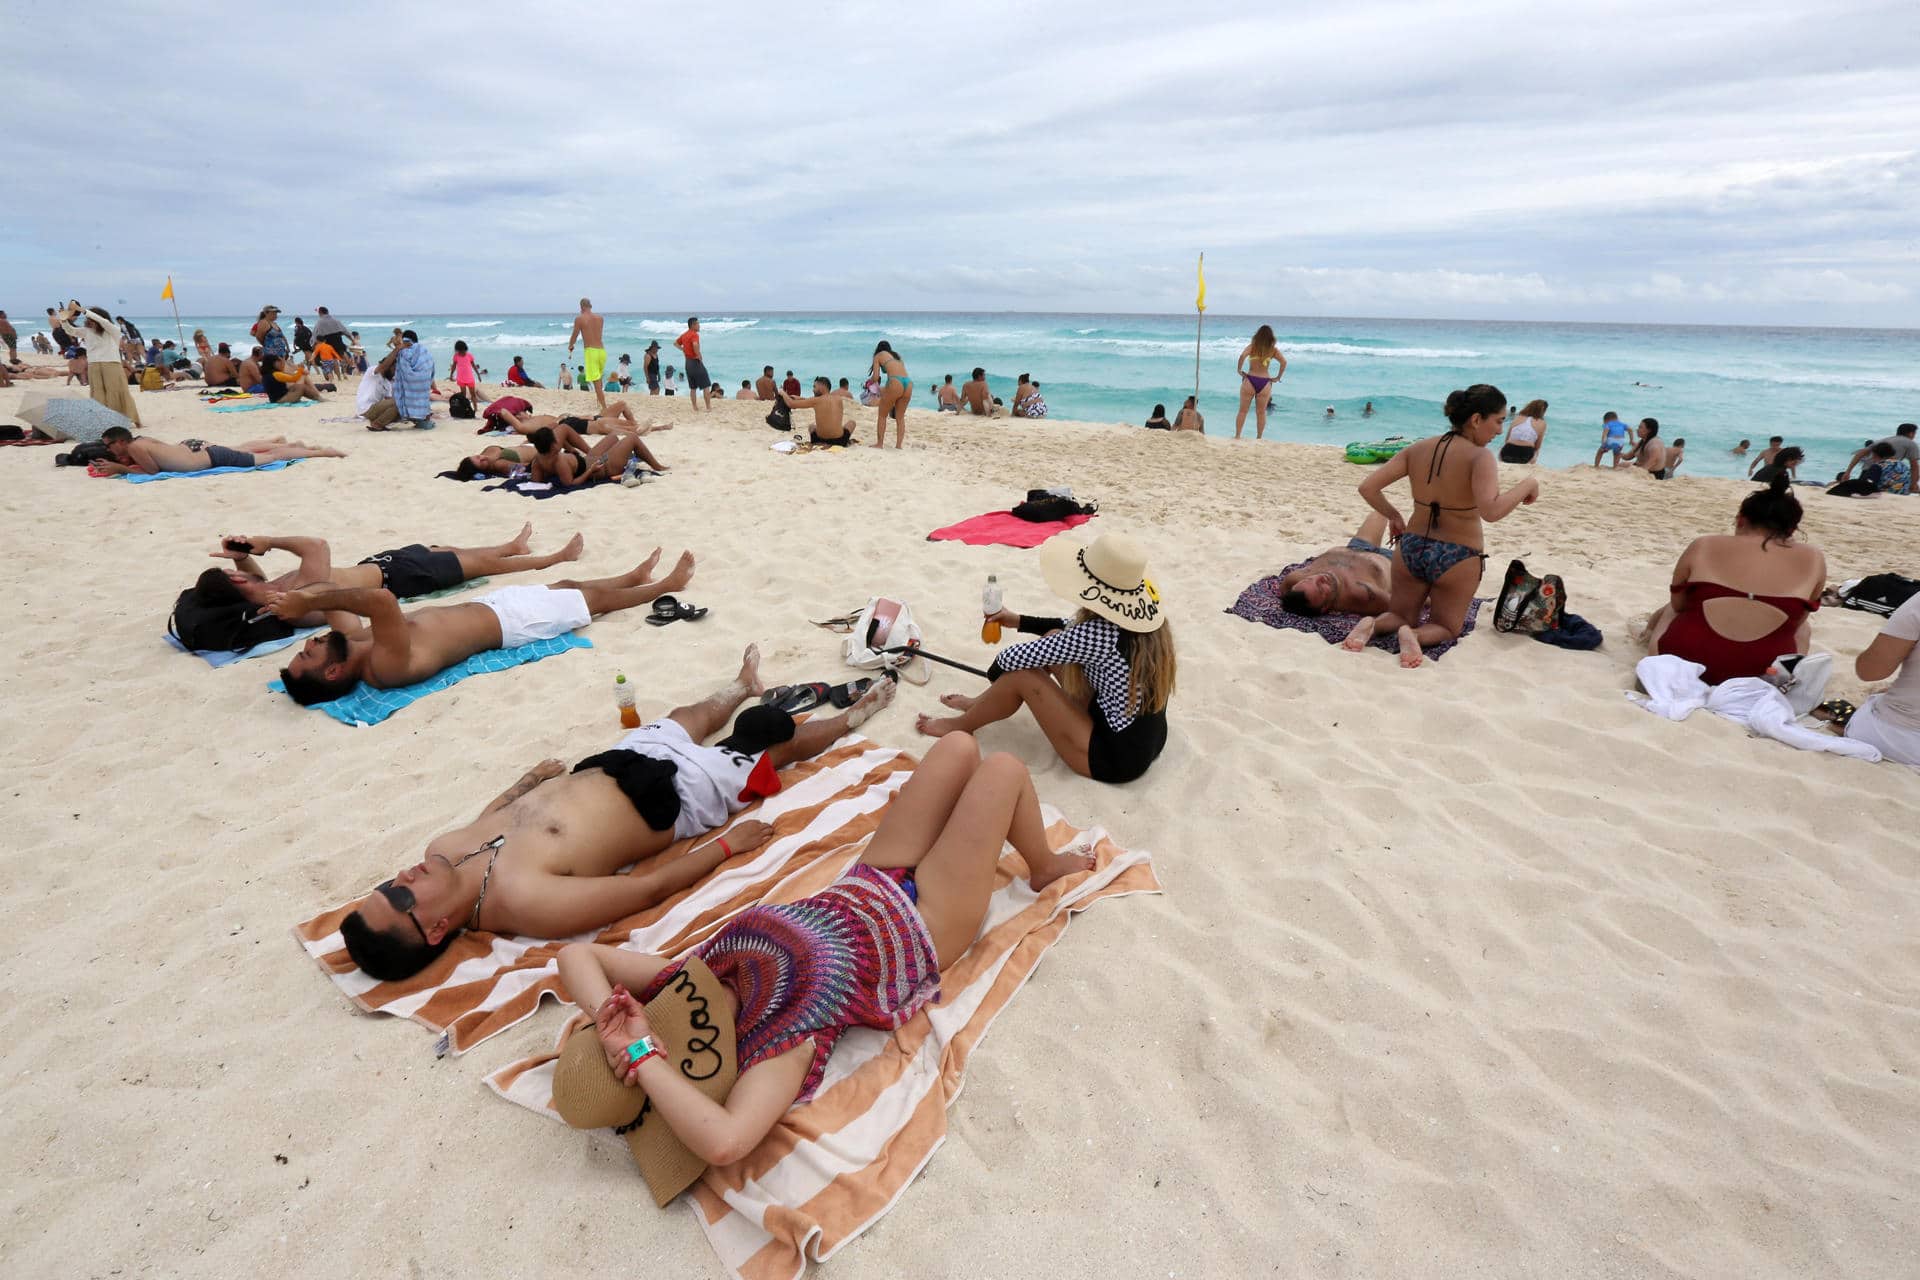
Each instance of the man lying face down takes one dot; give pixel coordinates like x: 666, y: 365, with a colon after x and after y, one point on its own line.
x: 1349, y: 579
x: 543, y: 859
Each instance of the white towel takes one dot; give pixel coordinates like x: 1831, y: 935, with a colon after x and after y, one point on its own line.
x: 1675, y: 690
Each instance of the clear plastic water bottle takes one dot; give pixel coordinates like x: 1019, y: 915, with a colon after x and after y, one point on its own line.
x: 623, y: 699
x: 990, y: 606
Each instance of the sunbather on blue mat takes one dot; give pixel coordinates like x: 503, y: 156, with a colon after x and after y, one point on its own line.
x: 137, y: 455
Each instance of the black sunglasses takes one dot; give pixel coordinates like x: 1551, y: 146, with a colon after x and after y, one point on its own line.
x: 400, y: 898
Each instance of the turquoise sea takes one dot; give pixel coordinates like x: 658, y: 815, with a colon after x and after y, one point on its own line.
x: 1825, y: 390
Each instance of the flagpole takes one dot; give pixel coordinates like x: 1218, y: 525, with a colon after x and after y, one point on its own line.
x: 177, y: 327
x: 1199, y: 319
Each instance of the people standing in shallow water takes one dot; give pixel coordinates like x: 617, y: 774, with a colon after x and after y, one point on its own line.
x: 1260, y: 366
x: 1456, y: 486
x: 1106, y: 710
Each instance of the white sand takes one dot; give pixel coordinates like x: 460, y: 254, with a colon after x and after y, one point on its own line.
x: 1477, y: 969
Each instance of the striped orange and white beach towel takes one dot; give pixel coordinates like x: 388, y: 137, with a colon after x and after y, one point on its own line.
x: 485, y: 982
x: 832, y: 1167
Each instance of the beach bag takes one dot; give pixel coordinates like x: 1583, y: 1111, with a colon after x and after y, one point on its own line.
x: 151, y: 379
x: 227, y: 627
x: 780, y: 417
x: 1529, y: 604
x: 1879, y: 593
x: 1049, y: 507
x: 459, y: 406
x: 882, y: 624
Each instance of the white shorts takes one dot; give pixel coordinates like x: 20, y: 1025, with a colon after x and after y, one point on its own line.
x: 708, y: 780
x: 536, y: 613
x: 1896, y: 742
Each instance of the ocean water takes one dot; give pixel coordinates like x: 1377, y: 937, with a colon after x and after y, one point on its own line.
x: 1826, y: 390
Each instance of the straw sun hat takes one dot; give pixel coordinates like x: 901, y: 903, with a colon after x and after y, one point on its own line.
x: 691, y: 1022
x: 1107, y: 576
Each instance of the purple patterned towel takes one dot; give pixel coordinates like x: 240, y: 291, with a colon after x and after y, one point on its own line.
x: 1261, y: 603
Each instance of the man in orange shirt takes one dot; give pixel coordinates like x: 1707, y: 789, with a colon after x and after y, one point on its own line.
x: 699, y: 385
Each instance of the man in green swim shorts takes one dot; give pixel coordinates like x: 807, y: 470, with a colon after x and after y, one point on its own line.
x: 587, y: 329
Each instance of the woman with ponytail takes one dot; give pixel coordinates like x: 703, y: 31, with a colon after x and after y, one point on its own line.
x: 1740, y: 600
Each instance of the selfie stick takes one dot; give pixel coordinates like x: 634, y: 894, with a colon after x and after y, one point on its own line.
x: 917, y: 651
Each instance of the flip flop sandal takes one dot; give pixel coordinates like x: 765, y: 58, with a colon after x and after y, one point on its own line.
x: 802, y: 697
x: 668, y: 609
x: 1836, y: 710
x: 845, y: 695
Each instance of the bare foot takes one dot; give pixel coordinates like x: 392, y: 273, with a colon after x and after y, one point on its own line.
x: 642, y: 574
x: 750, y: 672
x: 523, y: 543
x: 874, y: 700
x: 1410, y: 654
x: 935, y: 726
x: 957, y: 701
x: 682, y: 573
x: 575, y: 545
x: 1064, y: 862
x: 1358, y: 637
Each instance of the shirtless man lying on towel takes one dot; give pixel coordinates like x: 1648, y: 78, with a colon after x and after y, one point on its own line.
x: 398, y: 649
x: 133, y: 453
x: 413, y: 570
x: 543, y: 859
x: 1349, y: 579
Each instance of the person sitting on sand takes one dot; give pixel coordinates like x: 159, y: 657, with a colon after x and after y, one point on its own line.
x: 764, y: 386
x: 949, y: 396
x: 1189, y: 419
x: 844, y: 391
x: 1676, y: 454
x: 1890, y: 719
x: 1613, y: 439
x: 1157, y: 420
x: 220, y: 369
x: 894, y: 395
x: 1098, y: 684
x: 552, y: 463
x: 287, y: 385
x: 746, y: 391
x: 544, y: 859
x: 1784, y: 462
x: 1028, y: 402
x: 1872, y: 481
x: 1439, y: 560
x: 830, y: 425
x: 1526, y: 434
x: 413, y: 380
x: 1649, y: 452
x: 417, y: 569
x: 1740, y: 600
x: 1765, y: 456
x: 131, y: 453
x: 517, y: 375
x: 1355, y: 578
x: 398, y: 649
x: 978, y: 399
x: 1902, y: 464
x: 867, y: 951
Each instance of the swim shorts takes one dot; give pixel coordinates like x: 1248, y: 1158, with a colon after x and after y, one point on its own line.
x: 1361, y: 544
x: 697, y: 379
x: 413, y: 570
x: 595, y: 368
x: 219, y: 455
x: 536, y: 613
x: 710, y: 783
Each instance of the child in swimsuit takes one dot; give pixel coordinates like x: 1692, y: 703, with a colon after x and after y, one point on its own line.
x: 1460, y: 488
x: 464, y: 375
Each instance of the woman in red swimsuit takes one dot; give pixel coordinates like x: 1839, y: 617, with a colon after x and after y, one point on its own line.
x: 1740, y: 600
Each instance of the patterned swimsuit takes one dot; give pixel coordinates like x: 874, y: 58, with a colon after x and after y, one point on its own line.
x: 856, y: 954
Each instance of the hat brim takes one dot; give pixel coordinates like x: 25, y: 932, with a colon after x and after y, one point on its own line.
x: 1137, y: 610
x: 693, y: 1025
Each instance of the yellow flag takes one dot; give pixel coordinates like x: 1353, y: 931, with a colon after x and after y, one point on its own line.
x: 168, y: 291
x: 1200, y: 303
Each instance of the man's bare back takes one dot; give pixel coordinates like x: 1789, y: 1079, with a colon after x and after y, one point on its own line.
x: 978, y: 399
x: 829, y: 413
x: 764, y: 386
x: 437, y: 637
x: 587, y: 327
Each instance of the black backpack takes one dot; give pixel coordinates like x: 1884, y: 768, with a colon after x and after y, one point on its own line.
x: 460, y: 406
x: 780, y: 417
x: 230, y: 627
x: 82, y: 454
x: 1042, y: 507
x: 1880, y: 593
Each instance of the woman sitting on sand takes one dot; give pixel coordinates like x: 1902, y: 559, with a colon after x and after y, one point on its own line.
x: 867, y: 951
x: 1158, y: 420
x: 1872, y: 478
x: 284, y: 385
x: 1106, y: 711
x: 201, y: 345
x: 1439, y: 560
x: 1785, y: 462
x: 896, y: 390
x: 1740, y: 600
x: 1527, y: 434
x: 1260, y: 367
x: 1890, y: 719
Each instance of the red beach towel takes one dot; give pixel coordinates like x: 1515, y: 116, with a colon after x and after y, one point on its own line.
x: 1003, y: 528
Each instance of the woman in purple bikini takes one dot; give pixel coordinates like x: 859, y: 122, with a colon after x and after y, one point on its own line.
x: 1256, y: 388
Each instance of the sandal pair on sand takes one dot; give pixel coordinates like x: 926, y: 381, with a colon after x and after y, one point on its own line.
x: 668, y: 609
x: 795, y: 698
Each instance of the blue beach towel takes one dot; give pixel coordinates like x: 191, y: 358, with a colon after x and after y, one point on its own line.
x: 137, y: 478
x: 251, y: 405
x: 367, y: 705
x: 226, y: 657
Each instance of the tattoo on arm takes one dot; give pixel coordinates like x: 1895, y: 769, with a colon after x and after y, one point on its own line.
x: 528, y: 781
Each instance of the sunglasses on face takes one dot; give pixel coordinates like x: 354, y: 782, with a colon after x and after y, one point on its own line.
x: 400, y: 898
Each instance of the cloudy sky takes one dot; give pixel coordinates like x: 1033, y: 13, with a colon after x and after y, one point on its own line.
x: 1699, y: 161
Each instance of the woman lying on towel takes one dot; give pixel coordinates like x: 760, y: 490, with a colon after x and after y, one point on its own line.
x: 867, y: 951
x: 1740, y: 600
x: 1106, y: 712
x: 1456, y: 486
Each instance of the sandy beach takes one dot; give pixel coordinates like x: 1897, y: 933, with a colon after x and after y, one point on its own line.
x: 1476, y: 969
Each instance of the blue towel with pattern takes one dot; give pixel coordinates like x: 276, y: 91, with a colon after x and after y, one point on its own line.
x: 249, y: 406
x: 137, y: 478
x: 367, y: 705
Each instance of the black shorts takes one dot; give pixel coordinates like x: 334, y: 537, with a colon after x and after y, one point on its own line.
x: 219, y: 455
x: 820, y: 439
x: 645, y: 781
x: 573, y: 420
x: 697, y: 379
x: 415, y: 571
x: 1126, y: 755
x: 1518, y: 452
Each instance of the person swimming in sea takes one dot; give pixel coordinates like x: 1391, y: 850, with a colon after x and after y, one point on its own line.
x: 1439, y: 561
